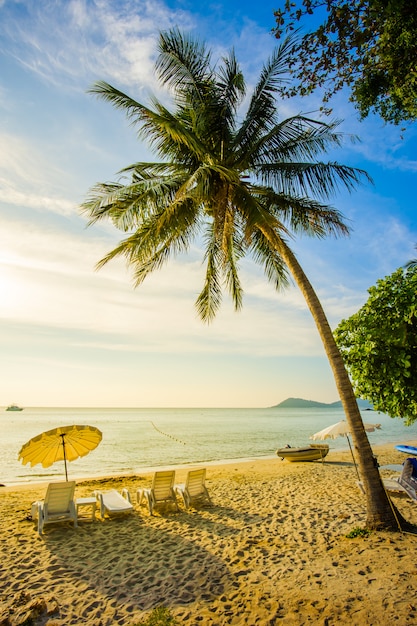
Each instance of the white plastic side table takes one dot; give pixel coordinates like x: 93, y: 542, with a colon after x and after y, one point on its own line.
x: 87, y: 502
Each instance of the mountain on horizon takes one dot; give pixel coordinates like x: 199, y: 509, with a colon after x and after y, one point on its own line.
x: 300, y: 403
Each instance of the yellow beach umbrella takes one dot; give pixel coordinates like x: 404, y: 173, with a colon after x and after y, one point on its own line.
x: 65, y: 443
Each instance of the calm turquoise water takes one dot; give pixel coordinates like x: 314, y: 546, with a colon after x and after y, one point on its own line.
x: 139, y: 439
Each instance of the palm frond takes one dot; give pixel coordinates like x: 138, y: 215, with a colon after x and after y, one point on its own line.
x: 412, y: 264
x: 302, y: 215
x: 262, y: 111
x: 298, y: 138
x: 322, y: 180
x: 231, y: 90
x: 128, y: 205
x: 232, y: 252
x: 135, y: 111
x: 169, y: 134
x: 210, y: 298
x: 156, y: 240
x: 183, y: 64
x: 265, y: 254
x: 289, y: 214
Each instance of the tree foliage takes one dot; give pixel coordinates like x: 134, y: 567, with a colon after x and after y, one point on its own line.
x: 245, y: 184
x: 369, y: 46
x: 379, y: 345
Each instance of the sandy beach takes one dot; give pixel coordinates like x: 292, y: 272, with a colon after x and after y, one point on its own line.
x: 271, y: 550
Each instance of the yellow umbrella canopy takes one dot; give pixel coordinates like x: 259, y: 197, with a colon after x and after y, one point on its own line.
x: 65, y: 443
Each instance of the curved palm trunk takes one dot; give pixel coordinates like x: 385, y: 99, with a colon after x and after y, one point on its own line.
x: 380, y: 513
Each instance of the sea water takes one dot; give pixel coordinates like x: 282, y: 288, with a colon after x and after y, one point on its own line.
x: 136, y: 440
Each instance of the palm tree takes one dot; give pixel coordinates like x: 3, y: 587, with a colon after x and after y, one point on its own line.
x: 246, y: 186
x: 412, y: 264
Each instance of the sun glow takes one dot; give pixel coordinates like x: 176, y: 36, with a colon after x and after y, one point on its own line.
x: 14, y: 289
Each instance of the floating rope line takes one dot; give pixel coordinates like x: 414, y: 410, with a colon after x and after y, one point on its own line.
x: 167, y: 435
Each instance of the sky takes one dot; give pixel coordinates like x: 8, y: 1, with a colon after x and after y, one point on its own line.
x: 74, y: 336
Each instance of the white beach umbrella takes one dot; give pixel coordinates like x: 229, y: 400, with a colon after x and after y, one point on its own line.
x: 65, y: 443
x: 341, y: 429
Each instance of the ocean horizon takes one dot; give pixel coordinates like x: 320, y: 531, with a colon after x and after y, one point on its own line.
x: 137, y: 440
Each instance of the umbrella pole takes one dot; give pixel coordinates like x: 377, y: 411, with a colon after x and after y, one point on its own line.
x: 65, y: 458
x: 351, y: 451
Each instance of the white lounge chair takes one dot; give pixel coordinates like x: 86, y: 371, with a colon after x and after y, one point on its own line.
x: 58, y: 505
x: 113, y: 503
x: 406, y: 482
x: 162, y: 490
x: 194, y: 488
x: 408, y: 478
x: 392, y: 484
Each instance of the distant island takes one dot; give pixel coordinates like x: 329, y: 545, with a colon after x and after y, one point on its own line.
x: 299, y: 403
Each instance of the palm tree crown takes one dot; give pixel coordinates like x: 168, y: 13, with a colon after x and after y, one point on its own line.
x: 246, y: 186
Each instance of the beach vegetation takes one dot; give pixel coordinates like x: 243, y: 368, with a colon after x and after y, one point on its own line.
x: 160, y: 616
x: 378, y: 344
x: 358, y: 532
x: 240, y: 184
x: 366, y: 46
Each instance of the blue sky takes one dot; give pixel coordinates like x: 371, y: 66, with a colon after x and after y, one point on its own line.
x: 71, y: 336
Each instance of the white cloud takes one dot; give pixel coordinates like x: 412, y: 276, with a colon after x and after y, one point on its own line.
x: 50, y: 281
x: 28, y: 179
x: 71, y: 43
x: 43, y: 203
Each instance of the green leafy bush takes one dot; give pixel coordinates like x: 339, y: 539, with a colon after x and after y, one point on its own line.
x: 161, y: 616
x: 358, y: 532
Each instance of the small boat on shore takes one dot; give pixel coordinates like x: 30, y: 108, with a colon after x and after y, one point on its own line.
x: 14, y: 407
x: 312, y: 452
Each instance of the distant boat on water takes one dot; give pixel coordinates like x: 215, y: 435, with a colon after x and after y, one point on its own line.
x: 14, y: 407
